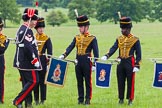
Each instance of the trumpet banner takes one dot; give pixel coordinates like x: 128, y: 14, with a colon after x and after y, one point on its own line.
x: 103, y: 73
x: 157, y: 81
x: 56, y: 73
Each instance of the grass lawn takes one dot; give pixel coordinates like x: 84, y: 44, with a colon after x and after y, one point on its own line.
x: 146, y: 96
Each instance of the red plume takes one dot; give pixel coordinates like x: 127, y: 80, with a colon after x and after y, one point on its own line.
x: 36, y: 3
x: 30, y: 12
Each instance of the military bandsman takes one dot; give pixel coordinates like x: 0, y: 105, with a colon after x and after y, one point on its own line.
x: 44, y: 46
x: 85, y: 43
x: 4, y: 42
x: 130, y: 59
x: 26, y: 57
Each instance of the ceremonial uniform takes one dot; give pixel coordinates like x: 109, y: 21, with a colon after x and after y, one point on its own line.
x: 129, y: 45
x: 84, y: 43
x: 44, y: 45
x: 26, y: 57
x: 4, y: 42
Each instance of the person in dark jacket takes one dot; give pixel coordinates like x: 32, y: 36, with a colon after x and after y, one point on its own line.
x: 44, y: 46
x: 85, y: 43
x: 4, y: 42
x: 26, y: 57
x: 129, y: 45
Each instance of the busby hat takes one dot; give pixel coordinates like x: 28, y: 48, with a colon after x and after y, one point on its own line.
x: 125, y: 22
x: 30, y: 13
x: 40, y: 23
x: 1, y: 23
x: 82, y: 20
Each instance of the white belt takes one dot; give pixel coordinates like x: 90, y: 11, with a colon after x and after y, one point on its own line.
x: 21, y: 45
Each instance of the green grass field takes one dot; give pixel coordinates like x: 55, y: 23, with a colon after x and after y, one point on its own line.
x: 146, y: 96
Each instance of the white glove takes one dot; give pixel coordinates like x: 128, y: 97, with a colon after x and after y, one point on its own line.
x: 118, y: 60
x: 93, y: 68
x: 104, y: 58
x: 61, y: 56
x: 37, y: 64
x: 76, y: 61
x: 135, y: 69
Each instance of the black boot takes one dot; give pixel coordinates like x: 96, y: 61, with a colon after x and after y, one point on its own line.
x: 29, y: 106
x: 1, y: 102
x: 36, y: 102
x: 42, y: 102
x: 19, y: 106
x: 121, y: 101
x: 80, y: 102
x: 87, y: 102
x: 130, y: 102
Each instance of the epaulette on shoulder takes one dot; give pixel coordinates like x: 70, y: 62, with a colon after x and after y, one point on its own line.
x: 135, y: 37
x: 45, y: 35
x: 48, y: 36
x: 92, y: 36
x: 119, y: 37
x: 4, y: 36
x: 77, y: 35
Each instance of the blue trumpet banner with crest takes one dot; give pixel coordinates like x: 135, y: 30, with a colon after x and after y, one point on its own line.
x: 103, y: 73
x: 157, y: 75
x: 56, y: 73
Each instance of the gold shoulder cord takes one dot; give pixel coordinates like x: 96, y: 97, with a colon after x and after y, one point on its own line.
x: 125, y: 44
x: 41, y: 39
x: 2, y: 40
x: 82, y: 43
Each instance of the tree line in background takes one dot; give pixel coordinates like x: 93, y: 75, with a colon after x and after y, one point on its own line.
x: 102, y: 10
